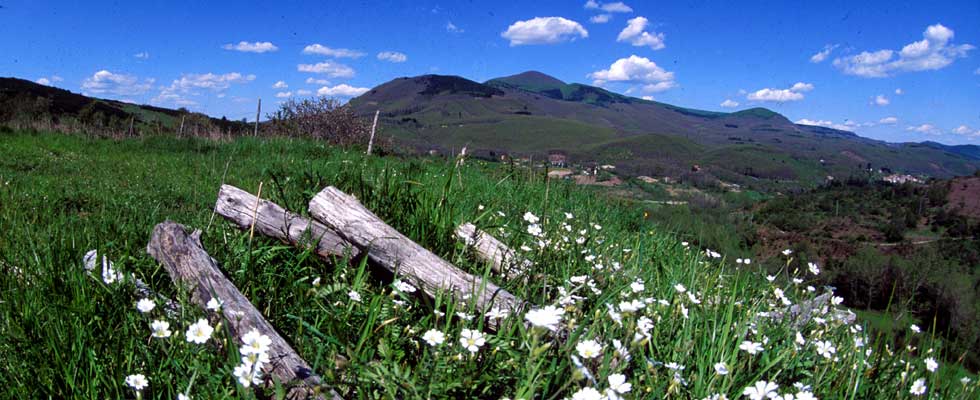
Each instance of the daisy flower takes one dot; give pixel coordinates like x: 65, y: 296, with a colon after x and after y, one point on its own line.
x: 751, y: 347
x: 137, y: 382
x: 588, y: 349
x: 472, y: 340
x: 161, y: 329
x: 145, y: 305
x: 199, y: 332
x: 918, y: 387
x: 434, y: 337
x: 761, y: 390
x: 548, y: 317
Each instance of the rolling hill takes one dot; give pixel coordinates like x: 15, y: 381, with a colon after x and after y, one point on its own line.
x: 532, y: 113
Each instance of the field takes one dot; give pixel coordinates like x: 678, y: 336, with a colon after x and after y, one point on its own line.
x: 639, y: 313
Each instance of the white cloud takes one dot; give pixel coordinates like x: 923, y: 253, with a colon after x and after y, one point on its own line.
x: 341, y: 90
x: 828, y: 124
x: 313, y: 81
x: 888, y: 120
x: 899, y: 91
x: 637, y: 70
x: 635, y: 34
x: 617, y: 7
x: 977, y: 72
x: 931, y: 53
x: 283, y: 95
x: 105, y: 82
x: 924, y: 128
x: 881, y: 100
x: 256, y: 47
x: 452, y: 28
x: 544, y: 30
x: 47, y: 81
x: 322, y: 50
x: 280, y: 85
x: 600, y: 19
x: 392, y: 56
x: 801, y: 87
x: 822, y: 54
x: 303, y: 92
x: 966, y: 131
x: 43, y: 81
x: 794, y: 93
x: 142, y: 55
x: 729, y: 103
x: 647, y: 98
x: 188, y: 85
x: 333, y: 70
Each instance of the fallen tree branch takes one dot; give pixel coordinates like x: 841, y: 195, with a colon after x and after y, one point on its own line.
x: 185, y: 259
x: 388, y: 248
x: 503, y: 260
x: 270, y: 219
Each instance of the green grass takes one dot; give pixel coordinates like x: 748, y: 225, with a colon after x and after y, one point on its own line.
x: 64, y: 333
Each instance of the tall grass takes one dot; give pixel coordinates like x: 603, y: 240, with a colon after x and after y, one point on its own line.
x: 676, y: 313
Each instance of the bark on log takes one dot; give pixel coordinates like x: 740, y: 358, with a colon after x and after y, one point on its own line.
x: 503, y: 260
x: 185, y: 259
x: 271, y: 220
x: 388, y: 248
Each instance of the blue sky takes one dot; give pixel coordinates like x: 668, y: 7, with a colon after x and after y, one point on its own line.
x: 919, y: 57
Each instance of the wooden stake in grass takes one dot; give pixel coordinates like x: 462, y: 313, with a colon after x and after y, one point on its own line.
x: 373, y: 126
x: 188, y: 264
x: 255, y: 212
x: 258, y: 112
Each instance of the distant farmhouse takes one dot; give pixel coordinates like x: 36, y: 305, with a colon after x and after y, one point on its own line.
x: 558, y: 158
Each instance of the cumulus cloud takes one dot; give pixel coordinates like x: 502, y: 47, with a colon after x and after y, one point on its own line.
x: 636, y: 69
x: 341, y: 90
x: 846, y: 126
x: 888, y: 121
x: 635, y: 34
x: 333, y: 70
x: 142, y: 55
x: 283, y: 95
x: 313, y: 81
x: 180, y: 90
x: 617, y: 7
x: 899, y: 92
x: 322, y: 50
x: 392, y: 56
x: 966, y: 131
x: 647, y: 98
x: 881, y: 100
x: 600, y: 19
x: 924, y: 128
x: 48, y: 81
x: 823, y: 54
x: 452, y: 28
x: 794, y: 93
x: 933, y: 52
x: 544, y: 30
x: 729, y: 103
x: 303, y: 92
x: 105, y: 82
x: 256, y: 47
x: 280, y: 85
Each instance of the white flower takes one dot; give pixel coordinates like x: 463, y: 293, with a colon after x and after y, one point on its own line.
x: 693, y: 299
x: 404, y: 287
x: 721, y: 368
x: 145, y: 305
x: 918, y: 387
x: 587, y: 394
x: 618, y: 384
x: 747, y: 261
x: 214, y: 304
x: 181, y: 396
x: 472, y: 340
x: 814, y: 268
x: 799, y: 339
x: 825, y: 348
x: 931, y: 364
x: 247, y: 374
x: 804, y: 395
x: 787, y: 252
x: 569, y: 216
x: 161, y: 329
x: 254, y: 342
x: 836, y: 300
x: 497, y: 313
x: 631, y: 306
x: 530, y: 218
x: 965, y: 380
x: 750, y: 347
x: 685, y: 244
x: 621, y: 350
x: 770, y: 278
x: 588, y: 349
x: 534, y: 230
x: 199, y: 332
x: 915, y: 328
x: 637, y: 286
x: 680, y: 288
x: 674, y: 366
x: 434, y: 337
x: 354, y: 296
x: 137, y: 381
x: 548, y: 317
x: 761, y: 390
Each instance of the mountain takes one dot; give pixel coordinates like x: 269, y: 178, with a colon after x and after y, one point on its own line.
x: 532, y: 113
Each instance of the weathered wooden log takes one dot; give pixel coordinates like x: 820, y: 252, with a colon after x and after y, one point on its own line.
x: 185, y: 259
x: 388, y: 248
x: 503, y: 260
x: 271, y: 220
x: 801, y: 314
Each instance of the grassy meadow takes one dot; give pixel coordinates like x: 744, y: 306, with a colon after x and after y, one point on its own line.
x: 641, y: 313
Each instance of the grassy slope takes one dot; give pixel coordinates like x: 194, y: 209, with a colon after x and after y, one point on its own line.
x: 64, y: 333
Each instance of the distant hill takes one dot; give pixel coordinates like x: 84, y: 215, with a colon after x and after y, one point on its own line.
x: 532, y: 113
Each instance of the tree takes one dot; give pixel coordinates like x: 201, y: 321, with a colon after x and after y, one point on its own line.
x: 319, y: 118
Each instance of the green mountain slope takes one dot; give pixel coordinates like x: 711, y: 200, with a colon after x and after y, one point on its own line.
x: 532, y: 113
